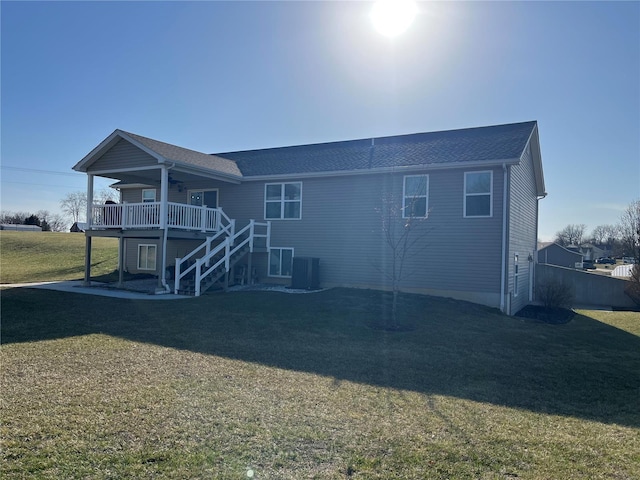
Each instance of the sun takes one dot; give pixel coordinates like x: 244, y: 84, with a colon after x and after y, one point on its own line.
x: 393, y: 17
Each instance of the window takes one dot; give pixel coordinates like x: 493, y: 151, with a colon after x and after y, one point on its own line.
x: 515, y: 275
x: 204, y: 197
x: 415, y: 196
x: 148, y: 195
x: 283, y: 201
x: 478, y: 192
x: 146, y: 257
x: 280, y: 262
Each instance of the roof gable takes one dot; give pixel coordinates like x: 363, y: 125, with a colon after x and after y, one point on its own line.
x: 163, y: 153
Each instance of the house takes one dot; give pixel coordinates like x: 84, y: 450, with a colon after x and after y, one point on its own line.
x: 193, y: 218
x: 551, y: 253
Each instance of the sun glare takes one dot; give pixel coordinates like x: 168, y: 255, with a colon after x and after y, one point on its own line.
x: 393, y: 17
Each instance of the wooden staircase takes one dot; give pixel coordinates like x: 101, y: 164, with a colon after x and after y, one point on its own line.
x: 195, y: 275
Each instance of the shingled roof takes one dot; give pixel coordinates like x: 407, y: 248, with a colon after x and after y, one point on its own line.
x: 483, y: 144
x: 186, y: 156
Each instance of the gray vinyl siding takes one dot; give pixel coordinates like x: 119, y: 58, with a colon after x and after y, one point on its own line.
x: 341, y: 224
x: 131, y: 255
x: 123, y: 155
x: 523, y: 221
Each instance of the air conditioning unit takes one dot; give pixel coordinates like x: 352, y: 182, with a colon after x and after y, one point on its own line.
x: 306, y: 273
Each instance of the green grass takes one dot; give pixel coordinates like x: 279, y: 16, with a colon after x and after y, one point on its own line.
x: 306, y: 386
x: 48, y: 256
x: 302, y: 386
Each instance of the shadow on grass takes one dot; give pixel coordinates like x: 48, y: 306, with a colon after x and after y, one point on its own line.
x: 585, y: 368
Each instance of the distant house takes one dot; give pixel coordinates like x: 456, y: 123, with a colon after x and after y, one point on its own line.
x: 20, y: 227
x: 78, y: 227
x: 588, y: 251
x: 553, y: 254
x: 192, y: 218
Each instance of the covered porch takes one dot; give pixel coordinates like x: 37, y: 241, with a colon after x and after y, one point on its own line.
x: 140, y: 165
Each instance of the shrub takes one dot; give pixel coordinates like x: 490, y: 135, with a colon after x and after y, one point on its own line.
x: 555, y: 294
x: 633, y: 289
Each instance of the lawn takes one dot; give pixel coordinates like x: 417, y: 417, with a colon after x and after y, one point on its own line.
x: 287, y: 386
x: 49, y: 256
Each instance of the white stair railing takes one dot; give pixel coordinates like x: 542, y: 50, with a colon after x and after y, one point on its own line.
x: 231, y: 245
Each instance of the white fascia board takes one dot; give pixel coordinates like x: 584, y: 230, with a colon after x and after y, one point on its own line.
x: 534, y: 143
x: 124, y: 170
x: 374, y: 171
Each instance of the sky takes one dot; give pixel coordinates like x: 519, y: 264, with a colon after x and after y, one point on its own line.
x: 225, y: 76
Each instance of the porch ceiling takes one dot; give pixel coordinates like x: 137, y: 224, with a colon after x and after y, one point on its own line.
x: 152, y: 178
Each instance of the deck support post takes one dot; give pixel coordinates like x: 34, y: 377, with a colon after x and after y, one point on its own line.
x: 120, y: 261
x: 87, y: 261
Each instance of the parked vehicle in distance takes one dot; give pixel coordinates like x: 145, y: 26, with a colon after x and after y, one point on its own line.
x: 626, y: 260
x: 588, y: 265
x: 605, y: 260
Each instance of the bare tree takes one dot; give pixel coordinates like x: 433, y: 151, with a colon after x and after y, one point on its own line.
x: 54, y: 222
x: 16, y: 218
x: 606, y: 237
x: 105, y: 195
x: 571, y: 235
x: 74, y: 204
x: 403, y: 238
x: 630, y: 230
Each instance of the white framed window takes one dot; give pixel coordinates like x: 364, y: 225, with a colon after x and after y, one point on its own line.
x: 283, y: 201
x: 280, y: 262
x: 148, y: 195
x: 147, y: 256
x: 478, y: 194
x: 415, y: 196
x: 204, y: 197
x: 515, y: 275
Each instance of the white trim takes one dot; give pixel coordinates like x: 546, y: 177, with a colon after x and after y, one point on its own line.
x: 280, y: 266
x: 426, y: 195
x: 465, y: 195
x: 281, y: 201
x: 155, y: 261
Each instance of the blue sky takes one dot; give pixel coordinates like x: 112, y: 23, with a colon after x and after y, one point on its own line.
x: 222, y: 76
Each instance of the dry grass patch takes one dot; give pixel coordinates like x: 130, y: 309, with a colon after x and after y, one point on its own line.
x: 300, y: 387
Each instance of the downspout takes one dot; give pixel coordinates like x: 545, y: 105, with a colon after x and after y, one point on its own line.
x: 164, y: 196
x: 503, y: 275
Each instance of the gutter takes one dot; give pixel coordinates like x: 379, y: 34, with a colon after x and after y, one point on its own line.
x: 163, y: 273
x: 503, y: 274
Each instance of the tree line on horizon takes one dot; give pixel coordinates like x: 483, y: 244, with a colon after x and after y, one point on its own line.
x: 620, y: 239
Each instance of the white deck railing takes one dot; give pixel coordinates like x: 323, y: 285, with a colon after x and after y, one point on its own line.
x: 147, y: 215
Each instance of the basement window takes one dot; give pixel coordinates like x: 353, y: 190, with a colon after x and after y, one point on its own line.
x: 280, y: 262
x: 147, y: 257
